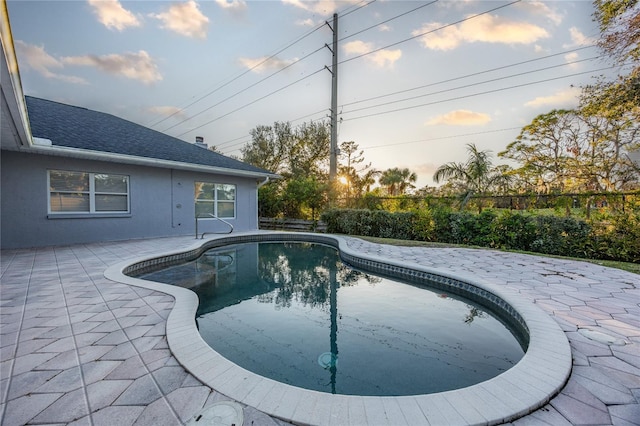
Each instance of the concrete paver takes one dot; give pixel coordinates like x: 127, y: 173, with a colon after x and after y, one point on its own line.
x: 77, y: 348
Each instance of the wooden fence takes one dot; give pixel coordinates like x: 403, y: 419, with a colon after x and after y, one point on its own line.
x: 292, y: 225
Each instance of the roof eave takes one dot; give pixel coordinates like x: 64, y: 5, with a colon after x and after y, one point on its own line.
x: 12, y: 95
x: 86, y: 154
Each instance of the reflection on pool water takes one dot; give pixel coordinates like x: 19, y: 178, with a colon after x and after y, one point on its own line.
x: 295, y: 313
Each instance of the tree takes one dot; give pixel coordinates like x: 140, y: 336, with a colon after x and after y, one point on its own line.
x: 309, y: 154
x: 300, y: 155
x: 602, y: 157
x: 543, y: 149
x: 304, y: 193
x: 358, y: 178
x: 368, y: 179
x: 476, y: 176
x: 269, y: 147
x: 397, y: 180
x: 270, y: 203
x: 588, y: 149
x: 577, y: 150
x: 619, y: 22
x: 618, y: 100
x: 302, y: 151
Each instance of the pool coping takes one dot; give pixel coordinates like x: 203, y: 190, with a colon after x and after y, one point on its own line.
x: 529, y: 385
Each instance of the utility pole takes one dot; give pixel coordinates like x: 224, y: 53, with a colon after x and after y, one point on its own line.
x: 333, y: 152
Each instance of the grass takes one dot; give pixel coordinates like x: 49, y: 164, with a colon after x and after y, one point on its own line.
x: 625, y: 266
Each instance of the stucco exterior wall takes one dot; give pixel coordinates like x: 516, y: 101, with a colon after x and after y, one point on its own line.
x: 162, y: 203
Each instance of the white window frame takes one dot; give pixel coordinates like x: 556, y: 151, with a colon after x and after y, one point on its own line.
x: 92, y: 195
x: 215, y: 200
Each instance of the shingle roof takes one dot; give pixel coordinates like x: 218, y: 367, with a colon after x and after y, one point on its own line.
x: 77, y: 127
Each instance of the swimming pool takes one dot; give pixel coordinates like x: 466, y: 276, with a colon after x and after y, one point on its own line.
x: 294, y: 312
x: 530, y: 384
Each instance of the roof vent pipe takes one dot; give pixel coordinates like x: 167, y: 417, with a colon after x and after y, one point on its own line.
x: 200, y: 142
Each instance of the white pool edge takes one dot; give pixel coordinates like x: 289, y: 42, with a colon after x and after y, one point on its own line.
x: 530, y: 384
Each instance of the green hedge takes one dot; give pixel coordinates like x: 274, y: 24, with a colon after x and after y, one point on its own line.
x: 616, y: 239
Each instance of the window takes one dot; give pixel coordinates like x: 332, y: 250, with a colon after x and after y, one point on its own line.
x: 81, y: 192
x: 217, y: 199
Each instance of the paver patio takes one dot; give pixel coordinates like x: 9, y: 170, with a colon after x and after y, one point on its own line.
x: 77, y: 348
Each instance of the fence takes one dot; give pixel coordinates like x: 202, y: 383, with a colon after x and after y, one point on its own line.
x: 292, y: 225
x: 587, y: 201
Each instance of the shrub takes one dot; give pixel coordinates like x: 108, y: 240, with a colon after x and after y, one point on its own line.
x: 373, y: 223
x: 514, y: 231
x: 424, y: 225
x: 442, y: 224
x: 472, y: 229
x: 563, y: 236
x: 616, y: 239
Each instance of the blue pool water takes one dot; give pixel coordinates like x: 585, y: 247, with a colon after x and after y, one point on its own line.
x: 294, y: 312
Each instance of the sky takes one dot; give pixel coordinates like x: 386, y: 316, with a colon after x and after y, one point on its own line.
x: 417, y: 80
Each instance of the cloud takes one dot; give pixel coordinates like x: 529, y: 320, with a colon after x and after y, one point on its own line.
x: 461, y: 117
x: 112, y: 15
x: 263, y: 64
x: 184, y: 19
x: 485, y: 28
x: 384, y: 28
x: 572, y: 57
x: 322, y: 7
x: 235, y: 7
x: 539, y: 8
x: 578, y: 39
x: 425, y: 168
x: 305, y: 22
x: 539, y: 49
x: 445, y: 39
x: 562, y: 98
x: 36, y: 58
x: 167, y: 111
x: 136, y: 66
x: 380, y: 58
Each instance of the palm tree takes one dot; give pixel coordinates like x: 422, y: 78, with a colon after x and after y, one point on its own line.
x: 476, y: 176
x: 398, y: 180
x: 368, y: 179
x: 408, y: 178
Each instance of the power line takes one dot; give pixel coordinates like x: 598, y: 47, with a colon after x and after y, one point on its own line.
x: 245, y: 141
x: 244, y: 90
x: 467, y: 76
x: 253, y: 102
x: 309, y: 115
x: 431, y: 31
x: 217, y: 118
x: 455, y: 79
x: 444, y: 137
x: 290, y: 121
x: 443, y: 91
x: 388, y: 20
x: 478, y: 94
x: 463, y: 135
x: 253, y: 85
x: 473, y: 84
x: 218, y: 145
x: 291, y: 44
x: 296, y: 41
x: 345, y: 13
x: 377, y: 97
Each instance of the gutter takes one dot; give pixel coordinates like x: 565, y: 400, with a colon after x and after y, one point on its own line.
x: 14, y: 96
x: 43, y: 147
x: 264, y: 182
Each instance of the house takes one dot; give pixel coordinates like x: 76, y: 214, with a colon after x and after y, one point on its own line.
x: 73, y: 175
